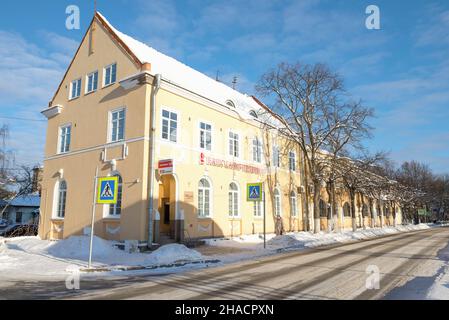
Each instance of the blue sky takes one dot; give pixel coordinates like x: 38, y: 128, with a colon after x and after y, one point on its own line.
x: 401, y: 70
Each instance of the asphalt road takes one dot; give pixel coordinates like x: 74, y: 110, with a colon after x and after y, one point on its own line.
x: 408, y: 263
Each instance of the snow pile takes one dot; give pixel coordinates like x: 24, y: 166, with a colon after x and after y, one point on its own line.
x: 309, y: 239
x: 77, y: 247
x: 173, y: 253
x: 73, y: 252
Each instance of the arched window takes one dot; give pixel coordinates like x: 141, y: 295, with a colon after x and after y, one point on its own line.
x: 293, y: 204
x: 253, y: 114
x: 116, y: 209
x: 346, y: 210
x: 204, y: 198
x: 323, y: 209
x: 231, y: 104
x: 62, y: 196
x: 233, y: 200
x: 277, y: 202
x: 365, y: 211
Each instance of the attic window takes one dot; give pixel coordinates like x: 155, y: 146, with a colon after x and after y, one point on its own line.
x: 230, y: 104
x: 253, y: 114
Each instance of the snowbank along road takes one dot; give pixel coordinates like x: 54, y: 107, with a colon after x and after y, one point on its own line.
x: 408, y: 265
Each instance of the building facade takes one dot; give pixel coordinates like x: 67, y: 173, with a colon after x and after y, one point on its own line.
x: 183, y: 145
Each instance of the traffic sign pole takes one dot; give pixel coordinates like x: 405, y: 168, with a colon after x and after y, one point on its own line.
x: 264, y: 221
x: 93, y: 218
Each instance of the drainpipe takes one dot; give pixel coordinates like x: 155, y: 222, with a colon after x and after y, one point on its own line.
x: 156, y: 86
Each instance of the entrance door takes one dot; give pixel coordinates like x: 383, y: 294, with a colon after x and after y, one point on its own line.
x: 166, y: 211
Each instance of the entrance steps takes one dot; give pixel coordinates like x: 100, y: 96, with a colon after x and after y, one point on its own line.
x: 166, y: 239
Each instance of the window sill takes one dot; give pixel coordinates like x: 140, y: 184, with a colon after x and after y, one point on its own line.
x: 57, y: 219
x: 111, y: 218
x: 235, y: 218
x: 205, y: 218
x: 74, y: 98
x: 108, y: 85
x: 90, y: 92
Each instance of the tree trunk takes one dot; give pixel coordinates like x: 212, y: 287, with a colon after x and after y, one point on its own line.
x: 371, y: 212
x: 334, y: 208
x: 330, y: 212
x: 381, y: 213
x: 306, y: 198
x: 354, y: 221
x: 316, y: 207
x: 394, y: 215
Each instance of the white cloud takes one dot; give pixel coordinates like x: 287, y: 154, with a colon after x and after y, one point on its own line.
x: 30, y: 75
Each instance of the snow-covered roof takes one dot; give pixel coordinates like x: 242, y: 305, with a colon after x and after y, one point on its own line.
x: 29, y: 200
x: 187, y: 77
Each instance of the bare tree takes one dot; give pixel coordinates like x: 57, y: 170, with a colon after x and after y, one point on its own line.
x: 307, y: 96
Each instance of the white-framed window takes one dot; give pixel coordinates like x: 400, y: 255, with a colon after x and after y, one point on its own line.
x: 293, y: 204
x: 115, y: 210
x: 205, y: 136
x: 75, y: 89
x: 169, y: 126
x: 234, y: 144
x: 276, y: 157
x: 257, y: 150
x: 92, y: 82
x: 277, y: 202
x: 204, y: 198
x: 61, y: 199
x: 292, y: 161
x: 110, y: 74
x: 65, y: 133
x: 257, y: 209
x: 117, y: 125
x: 233, y: 200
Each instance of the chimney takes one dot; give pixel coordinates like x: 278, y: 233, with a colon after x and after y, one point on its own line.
x: 146, y: 67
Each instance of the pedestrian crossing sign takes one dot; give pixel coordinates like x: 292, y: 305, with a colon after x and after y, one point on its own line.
x: 254, y: 192
x: 107, y: 190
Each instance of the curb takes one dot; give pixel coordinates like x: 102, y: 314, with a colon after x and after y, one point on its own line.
x: 152, y: 267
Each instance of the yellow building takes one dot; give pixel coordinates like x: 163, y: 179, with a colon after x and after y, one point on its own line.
x: 171, y: 134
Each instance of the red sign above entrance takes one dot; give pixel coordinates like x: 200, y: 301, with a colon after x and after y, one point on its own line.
x: 229, y: 165
x: 165, y: 166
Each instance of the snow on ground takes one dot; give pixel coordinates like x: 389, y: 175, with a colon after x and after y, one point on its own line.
x: 440, y: 288
x: 244, y: 247
x: 28, y: 257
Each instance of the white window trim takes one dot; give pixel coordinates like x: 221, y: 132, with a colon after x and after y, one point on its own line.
x: 58, y: 150
x: 261, y: 150
x: 273, y: 165
x: 240, y: 144
x: 54, y: 214
x: 178, y: 123
x: 211, y: 199
x: 239, y: 213
x: 198, y: 141
x: 280, y: 202
x: 295, y: 163
x: 260, y: 203
x: 104, y: 85
x: 71, y: 88
x: 86, y: 87
x: 296, y: 204
x: 109, y: 131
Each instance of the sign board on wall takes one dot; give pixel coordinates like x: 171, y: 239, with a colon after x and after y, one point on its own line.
x: 165, y: 166
x: 188, y: 196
